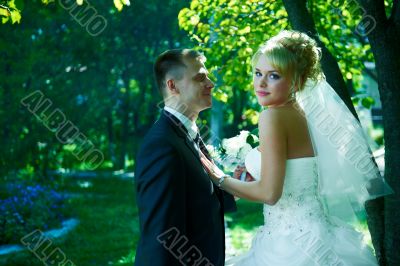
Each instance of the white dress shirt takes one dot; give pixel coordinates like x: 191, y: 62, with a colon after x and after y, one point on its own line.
x: 187, y: 123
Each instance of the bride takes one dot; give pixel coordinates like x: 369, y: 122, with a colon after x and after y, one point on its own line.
x: 313, y: 169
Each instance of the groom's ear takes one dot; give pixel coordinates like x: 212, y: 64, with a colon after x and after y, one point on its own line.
x: 171, y: 86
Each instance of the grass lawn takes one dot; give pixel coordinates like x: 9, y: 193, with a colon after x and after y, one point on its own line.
x: 108, y: 230
x: 243, y: 224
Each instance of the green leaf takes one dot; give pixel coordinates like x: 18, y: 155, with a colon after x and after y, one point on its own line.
x: 346, y: 13
x: 4, y: 12
x: 15, y: 17
x: 221, y: 96
x: 194, y: 20
x: 245, y: 30
x: 355, y: 100
x: 117, y: 3
x: 367, y: 102
x: 11, y: 4
x: 194, y: 4
x: 250, y: 140
x: 4, y: 19
x: 281, y: 13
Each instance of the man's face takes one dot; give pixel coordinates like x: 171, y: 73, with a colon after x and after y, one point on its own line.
x: 195, y: 87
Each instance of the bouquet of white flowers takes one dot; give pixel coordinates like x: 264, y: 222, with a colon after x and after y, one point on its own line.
x: 232, y: 151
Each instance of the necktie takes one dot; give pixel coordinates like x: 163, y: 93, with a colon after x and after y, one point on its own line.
x: 199, y: 141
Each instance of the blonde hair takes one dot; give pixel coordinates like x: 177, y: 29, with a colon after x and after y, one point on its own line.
x: 294, y: 54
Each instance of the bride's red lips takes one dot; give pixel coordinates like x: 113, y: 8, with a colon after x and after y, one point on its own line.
x: 262, y: 93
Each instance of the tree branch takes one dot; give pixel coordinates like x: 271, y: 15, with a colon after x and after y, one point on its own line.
x: 6, y: 8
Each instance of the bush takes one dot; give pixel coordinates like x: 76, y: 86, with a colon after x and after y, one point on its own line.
x: 25, y: 208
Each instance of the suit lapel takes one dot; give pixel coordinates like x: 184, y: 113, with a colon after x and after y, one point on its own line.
x: 182, y: 132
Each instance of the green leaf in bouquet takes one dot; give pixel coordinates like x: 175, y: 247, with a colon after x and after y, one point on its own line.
x: 254, y: 131
x: 252, y: 139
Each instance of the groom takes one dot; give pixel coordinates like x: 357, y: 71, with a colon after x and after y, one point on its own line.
x: 181, y: 212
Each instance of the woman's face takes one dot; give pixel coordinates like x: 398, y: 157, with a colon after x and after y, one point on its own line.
x: 271, y: 87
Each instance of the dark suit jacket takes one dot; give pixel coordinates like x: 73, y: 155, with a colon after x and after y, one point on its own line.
x: 180, y: 210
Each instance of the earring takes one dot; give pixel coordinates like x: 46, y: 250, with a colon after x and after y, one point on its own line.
x: 292, y: 95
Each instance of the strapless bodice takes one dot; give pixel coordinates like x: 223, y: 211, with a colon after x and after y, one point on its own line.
x: 299, y: 173
x: 300, y: 199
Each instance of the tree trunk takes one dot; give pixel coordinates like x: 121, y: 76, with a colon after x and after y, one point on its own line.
x: 236, y: 108
x: 124, y: 138
x: 110, y: 134
x: 125, y: 126
x: 384, y: 38
x: 217, y: 120
x: 301, y: 20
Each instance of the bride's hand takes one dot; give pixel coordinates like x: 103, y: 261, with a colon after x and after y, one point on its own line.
x: 211, y: 168
x: 237, y: 174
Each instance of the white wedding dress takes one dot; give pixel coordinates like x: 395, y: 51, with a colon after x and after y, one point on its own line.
x: 297, y: 231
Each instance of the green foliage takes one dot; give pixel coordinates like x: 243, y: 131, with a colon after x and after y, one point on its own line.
x: 102, y: 84
x: 252, y: 140
x: 367, y: 102
x: 11, y: 10
x: 229, y: 32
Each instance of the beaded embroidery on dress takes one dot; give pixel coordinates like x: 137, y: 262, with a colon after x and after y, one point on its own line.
x: 296, y: 230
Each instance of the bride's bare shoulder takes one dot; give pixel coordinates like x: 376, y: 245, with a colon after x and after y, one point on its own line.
x: 283, y: 117
x: 278, y: 113
x: 270, y: 113
x: 271, y: 117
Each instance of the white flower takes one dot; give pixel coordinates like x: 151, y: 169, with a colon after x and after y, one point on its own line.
x: 244, y: 151
x: 235, y: 150
x: 233, y: 145
x: 212, y: 151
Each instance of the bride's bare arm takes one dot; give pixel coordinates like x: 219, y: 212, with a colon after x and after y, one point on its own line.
x: 273, y: 148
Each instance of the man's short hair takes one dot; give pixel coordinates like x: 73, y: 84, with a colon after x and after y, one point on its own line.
x: 171, y: 62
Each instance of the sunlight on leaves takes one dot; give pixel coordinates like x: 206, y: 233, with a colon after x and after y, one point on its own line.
x: 245, y: 30
x: 195, y: 20
x: 221, y: 96
x: 15, y: 17
x: 4, y: 12
x: 119, y: 4
x: 46, y: 2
